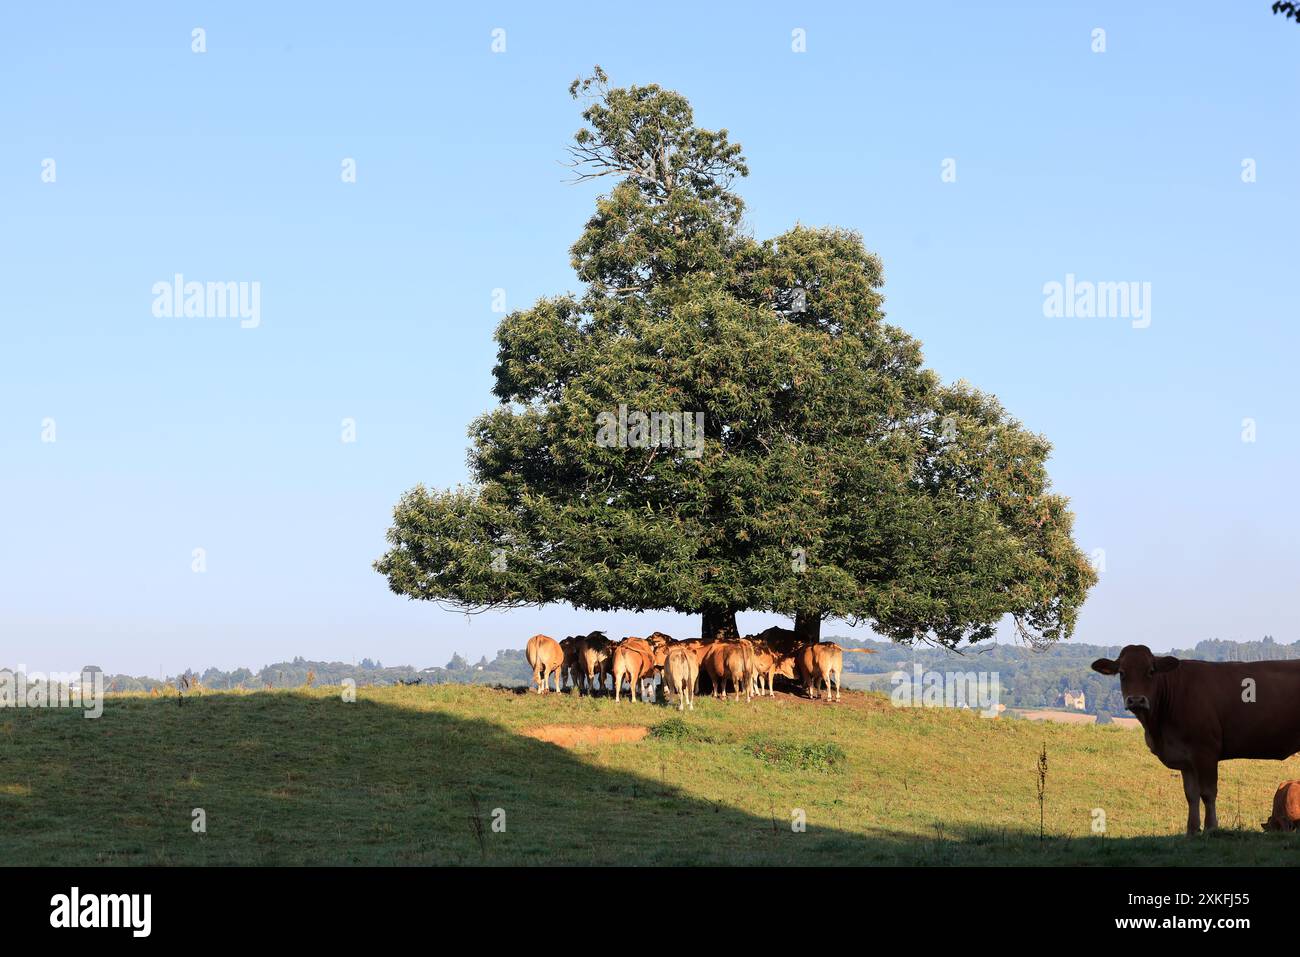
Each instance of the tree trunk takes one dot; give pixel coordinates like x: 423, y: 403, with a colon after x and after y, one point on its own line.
x: 719, y: 623
x: 808, y: 626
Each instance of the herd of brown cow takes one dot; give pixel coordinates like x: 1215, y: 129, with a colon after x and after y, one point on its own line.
x: 745, y: 665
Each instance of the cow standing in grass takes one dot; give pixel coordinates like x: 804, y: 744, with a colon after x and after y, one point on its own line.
x: 633, y: 658
x: 1198, y: 713
x: 821, y: 663
x: 545, y: 658
x: 730, y: 660
x: 681, y: 671
x: 595, y: 654
x: 768, y: 663
x: 569, y: 670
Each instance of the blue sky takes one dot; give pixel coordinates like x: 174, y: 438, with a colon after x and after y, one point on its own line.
x: 176, y: 434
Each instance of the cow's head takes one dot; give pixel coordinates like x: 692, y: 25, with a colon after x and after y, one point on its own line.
x: 785, y: 666
x: 1139, y: 674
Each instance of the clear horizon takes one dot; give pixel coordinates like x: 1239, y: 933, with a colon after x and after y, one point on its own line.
x: 1174, y: 425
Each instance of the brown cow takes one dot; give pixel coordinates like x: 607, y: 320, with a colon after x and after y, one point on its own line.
x: 595, y: 655
x: 769, y: 662
x: 731, y: 660
x: 545, y: 657
x: 660, y: 643
x: 819, y: 662
x: 818, y: 665
x: 1198, y: 713
x: 1286, y: 808
x: 697, y: 648
x: 781, y: 640
x: 634, y: 657
x: 681, y: 671
x: 569, y: 669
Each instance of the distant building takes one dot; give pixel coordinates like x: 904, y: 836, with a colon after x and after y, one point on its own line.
x: 1073, y: 700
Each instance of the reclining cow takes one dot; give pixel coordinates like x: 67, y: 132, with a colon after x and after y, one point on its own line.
x: 1286, y: 808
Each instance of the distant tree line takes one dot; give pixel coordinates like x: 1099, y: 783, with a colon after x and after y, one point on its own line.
x: 1036, y: 679
x: 507, y: 668
x: 1027, y: 678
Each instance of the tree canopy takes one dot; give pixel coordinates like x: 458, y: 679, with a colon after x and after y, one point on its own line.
x: 716, y: 423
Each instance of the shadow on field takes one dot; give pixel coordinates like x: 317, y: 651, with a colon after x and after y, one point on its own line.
x: 285, y: 778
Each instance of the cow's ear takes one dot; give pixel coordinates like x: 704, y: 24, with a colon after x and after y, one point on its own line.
x: 1105, y: 666
x: 1166, y: 663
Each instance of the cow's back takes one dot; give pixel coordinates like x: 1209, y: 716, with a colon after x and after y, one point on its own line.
x: 1286, y: 807
x: 1233, y: 709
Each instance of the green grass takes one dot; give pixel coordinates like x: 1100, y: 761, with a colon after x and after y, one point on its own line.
x: 416, y: 775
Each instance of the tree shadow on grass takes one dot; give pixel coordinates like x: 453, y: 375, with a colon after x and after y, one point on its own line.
x: 307, y: 779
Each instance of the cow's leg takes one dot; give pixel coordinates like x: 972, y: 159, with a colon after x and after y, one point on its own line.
x: 1208, y: 778
x: 1192, y: 790
x: 837, y: 685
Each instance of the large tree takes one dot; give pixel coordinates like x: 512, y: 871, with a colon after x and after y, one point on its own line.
x: 836, y: 477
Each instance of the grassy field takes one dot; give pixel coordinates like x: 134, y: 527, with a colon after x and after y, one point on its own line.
x: 415, y: 775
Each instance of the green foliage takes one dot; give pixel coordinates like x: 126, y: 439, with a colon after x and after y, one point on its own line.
x: 838, y: 477
x: 678, y: 729
x: 825, y: 758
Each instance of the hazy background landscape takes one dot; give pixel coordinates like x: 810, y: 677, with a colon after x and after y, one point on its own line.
x: 1027, y: 679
